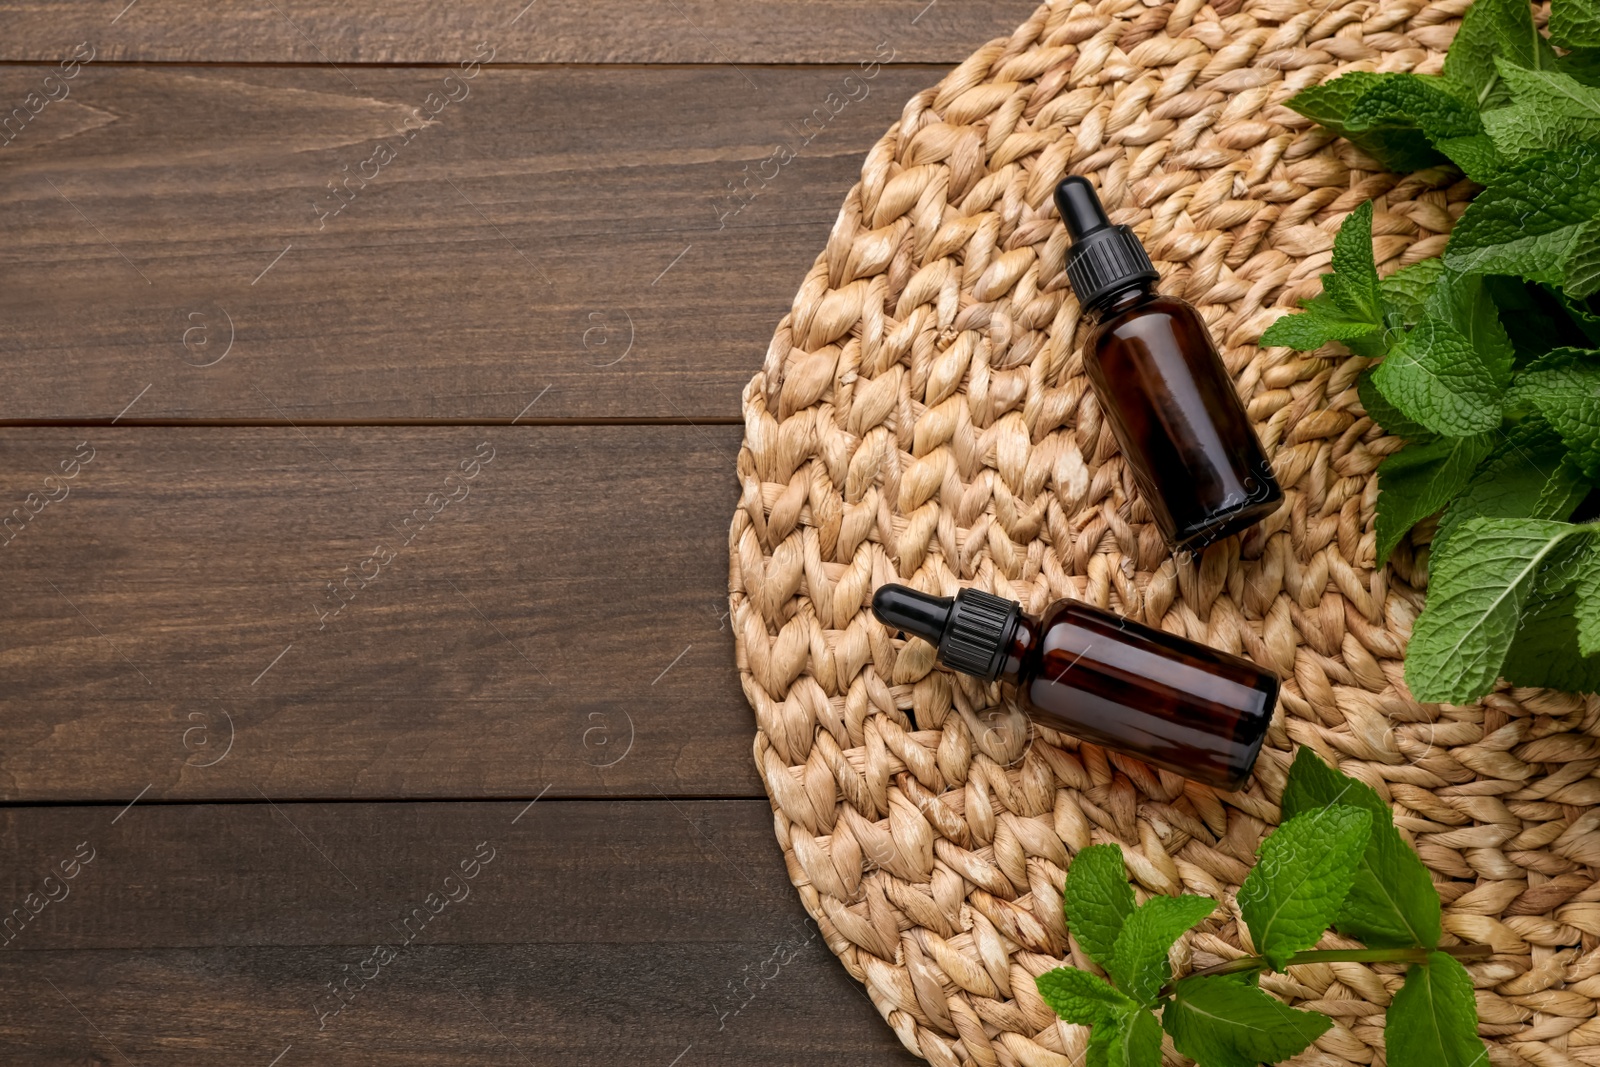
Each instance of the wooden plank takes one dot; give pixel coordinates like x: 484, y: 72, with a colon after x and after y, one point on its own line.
x: 547, y: 31
x: 571, y: 228
x: 550, y: 619
x: 589, y: 933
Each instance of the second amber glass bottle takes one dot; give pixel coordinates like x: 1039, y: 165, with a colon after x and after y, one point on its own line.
x: 1155, y: 696
x: 1164, y: 389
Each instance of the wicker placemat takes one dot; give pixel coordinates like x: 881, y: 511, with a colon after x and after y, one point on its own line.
x: 922, y: 417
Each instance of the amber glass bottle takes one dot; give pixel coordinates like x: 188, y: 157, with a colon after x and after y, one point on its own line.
x: 1166, y: 392
x: 1157, y: 697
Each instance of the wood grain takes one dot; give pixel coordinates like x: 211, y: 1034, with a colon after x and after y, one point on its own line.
x: 546, y: 31
x: 569, y: 228
x: 558, y: 627
x: 593, y: 932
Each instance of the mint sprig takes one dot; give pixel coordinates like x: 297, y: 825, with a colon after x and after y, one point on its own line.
x: 1488, y: 359
x: 1336, y: 854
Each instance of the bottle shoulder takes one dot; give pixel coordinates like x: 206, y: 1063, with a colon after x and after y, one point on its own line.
x: 1132, y: 315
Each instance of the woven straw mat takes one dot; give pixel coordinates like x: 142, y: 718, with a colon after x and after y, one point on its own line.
x: 922, y: 417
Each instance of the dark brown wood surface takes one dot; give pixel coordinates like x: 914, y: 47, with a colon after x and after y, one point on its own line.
x: 569, y: 228
x: 281, y: 644
x: 542, y: 31
x: 588, y: 932
x: 169, y: 623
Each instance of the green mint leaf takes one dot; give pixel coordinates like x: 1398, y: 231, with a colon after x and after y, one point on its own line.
x: 1098, y: 900
x: 1434, y: 1018
x: 1224, y: 1022
x: 1381, y: 127
x: 1353, y: 285
x: 1436, y: 376
x: 1520, y: 41
x: 1574, y: 24
x: 1581, y: 63
x: 1423, y: 102
x: 1421, y: 478
x: 1470, y: 61
x: 1132, y: 1039
x: 1481, y: 580
x: 1143, y: 1042
x: 1549, y: 111
x: 1477, y: 156
x: 1139, y: 962
x: 1528, y: 476
x: 1581, y: 272
x: 1392, y: 902
x: 1586, y: 613
x: 1329, y: 103
x: 1386, y: 414
x: 1405, y: 291
x: 1528, y: 223
x: 1546, y: 653
x: 1080, y: 997
x: 1578, y: 312
x: 1569, y: 399
x: 1295, y: 890
x: 1464, y: 302
x: 1351, y: 305
x: 1319, y: 323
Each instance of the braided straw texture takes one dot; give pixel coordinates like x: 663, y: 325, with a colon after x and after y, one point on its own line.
x: 922, y: 417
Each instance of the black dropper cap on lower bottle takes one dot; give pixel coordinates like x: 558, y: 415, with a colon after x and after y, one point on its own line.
x: 970, y: 629
x: 1104, y: 259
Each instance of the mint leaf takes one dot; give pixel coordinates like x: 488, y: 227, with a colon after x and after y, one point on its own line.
x: 1392, y: 902
x: 1139, y: 962
x: 1097, y: 900
x: 1418, y: 480
x: 1434, y: 1018
x: 1581, y: 273
x: 1296, y: 889
x: 1350, y: 307
x: 1549, y: 111
x: 1424, y: 102
x: 1529, y: 221
x: 1586, y: 613
x: 1477, y: 156
x: 1528, y: 476
x: 1470, y: 61
x: 1353, y: 285
x: 1569, y: 399
x: 1319, y: 323
x: 1480, y: 582
x: 1520, y: 40
x: 1080, y: 997
x: 1405, y: 291
x: 1464, y: 302
x: 1329, y: 103
x: 1386, y: 414
x: 1574, y: 24
x: 1225, y: 1022
x: 1435, y: 375
x: 1132, y: 1039
x: 1546, y: 653
x: 1373, y: 112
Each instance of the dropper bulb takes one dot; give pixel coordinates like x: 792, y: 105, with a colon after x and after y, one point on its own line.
x: 917, y: 613
x: 1080, y: 207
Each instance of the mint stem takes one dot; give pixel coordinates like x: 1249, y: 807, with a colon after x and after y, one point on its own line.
x: 1415, y: 954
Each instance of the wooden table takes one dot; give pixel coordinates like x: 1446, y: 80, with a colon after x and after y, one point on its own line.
x: 370, y: 399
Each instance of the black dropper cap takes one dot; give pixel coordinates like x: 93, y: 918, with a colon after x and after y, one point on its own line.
x: 1104, y: 259
x: 971, y: 629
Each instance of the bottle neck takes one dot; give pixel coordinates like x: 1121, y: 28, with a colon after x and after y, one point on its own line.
x: 1024, y: 638
x: 1120, y: 300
